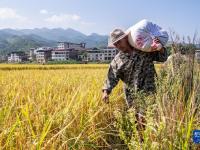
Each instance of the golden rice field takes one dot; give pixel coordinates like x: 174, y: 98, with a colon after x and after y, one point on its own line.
x: 60, y: 107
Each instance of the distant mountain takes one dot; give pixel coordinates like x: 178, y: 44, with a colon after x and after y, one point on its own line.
x: 11, y: 32
x: 22, y: 39
x: 57, y: 34
x: 70, y: 35
x: 96, y: 40
x: 10, y: 42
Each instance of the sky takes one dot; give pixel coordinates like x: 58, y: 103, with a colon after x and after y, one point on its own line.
x: 100, y: 16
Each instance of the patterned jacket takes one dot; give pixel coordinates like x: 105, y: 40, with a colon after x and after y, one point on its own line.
x: 136, y: 70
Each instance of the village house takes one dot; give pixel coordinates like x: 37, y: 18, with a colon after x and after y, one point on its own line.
x: 32, y: 55
x: 60, y: 54
x: 67, y: 45
x: 99, y: 54
x: 66, y: 51
x: 94, y: 54
x: 17, y: 56
x: 37, y: 54
x: 109, y: 53
x: 64, y: 54
x: 43, y: 54
x: 72, y: 51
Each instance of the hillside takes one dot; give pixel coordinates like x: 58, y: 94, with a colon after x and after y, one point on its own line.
x: 12, y: 40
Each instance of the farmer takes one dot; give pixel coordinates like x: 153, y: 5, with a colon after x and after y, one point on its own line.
x: 135, y: 68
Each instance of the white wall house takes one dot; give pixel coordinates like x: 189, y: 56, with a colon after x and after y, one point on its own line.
x: 95, y: 55
x: 105, y: 54
x: 42, y: 48
x: 72, y: 51
x: 109, y: 53
x: 60, y: 55
x: 42, y: 56
x: 66, y: 45
x: 17, y: 56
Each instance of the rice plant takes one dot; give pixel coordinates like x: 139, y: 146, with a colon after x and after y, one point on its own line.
x: 60, y: 107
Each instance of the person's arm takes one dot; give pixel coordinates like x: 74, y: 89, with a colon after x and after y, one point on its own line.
x: 111, y: 81
x: 161, y: 55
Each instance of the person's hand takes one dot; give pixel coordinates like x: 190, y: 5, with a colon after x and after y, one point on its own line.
x: 156, y: 45
x: 156, y: 40
x: 105, y: 97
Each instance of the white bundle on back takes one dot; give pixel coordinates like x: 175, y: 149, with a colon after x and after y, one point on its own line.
x: 141, y: 36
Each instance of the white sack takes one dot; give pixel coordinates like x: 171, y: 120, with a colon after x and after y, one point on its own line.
x: 141, y: 36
